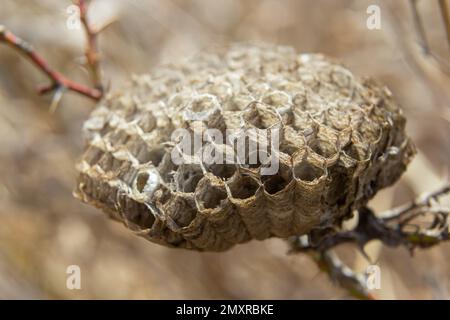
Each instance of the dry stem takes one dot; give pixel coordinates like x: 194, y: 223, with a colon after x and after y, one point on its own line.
x: 59, y: 82
x: 393, y: 228
x: 92, y: 54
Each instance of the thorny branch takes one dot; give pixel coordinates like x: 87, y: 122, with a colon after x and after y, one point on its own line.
x: 59, y: 82
x: 327, y: 261
x: 92, y: 53
x: 396, y: 227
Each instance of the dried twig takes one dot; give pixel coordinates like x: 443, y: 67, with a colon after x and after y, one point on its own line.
x: 392, y: 228
x: 424, y: 202
x: 59, y: 81
x: 328, y: 262
x: 91, y: 53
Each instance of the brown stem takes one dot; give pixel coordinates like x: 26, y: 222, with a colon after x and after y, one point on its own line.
x: 91, y: 53
x: 58, y: 80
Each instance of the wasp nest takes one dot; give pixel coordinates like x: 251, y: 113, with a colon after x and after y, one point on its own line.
x: 340, y: 139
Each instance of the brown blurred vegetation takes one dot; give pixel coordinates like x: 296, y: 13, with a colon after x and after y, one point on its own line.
x: 43, y: 229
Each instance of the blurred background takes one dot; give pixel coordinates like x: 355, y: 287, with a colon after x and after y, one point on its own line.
x: 43, y: 229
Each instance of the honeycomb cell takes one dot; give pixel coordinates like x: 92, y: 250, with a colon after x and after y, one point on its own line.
x: 210, y: 195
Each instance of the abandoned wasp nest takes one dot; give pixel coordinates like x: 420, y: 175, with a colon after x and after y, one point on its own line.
x: 339, y: 140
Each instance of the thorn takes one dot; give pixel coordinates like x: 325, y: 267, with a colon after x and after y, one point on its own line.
x: 57, y: 79
x: 56, y: 99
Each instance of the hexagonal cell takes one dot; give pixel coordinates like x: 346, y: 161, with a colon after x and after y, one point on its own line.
x: 276, y: 183
x: 323, y: 147
x: 209, y: 195
x: 202, y: 107
x: 105, y: 130
x: 180, y: 209
x: 179, y: 100
x: 167, y: 169
x: 300, y: 100
x: 219, y: 87
x: 155, y: 155
x: 280, y: 176
x: 137, y: 146
x: 277, y: 99
x: 356, y: 151
x: 369, y: 131
x: 109, y: 163
x: 337, y: 119
x: 302, y: 120
x: 138, y: 213
x: 146, y: 154
x: 260, y: 116
x: 291, y: 87
x: 224, y: 171
x: 307, y: 171
x: 117, y: 137
x: 188, y: 215
x: 129, y: 113
x: 324, y: 142
x: 243, y: 187
x: 107, y: 194
x: 187, y: 177
x: 98, y: 121
x: 239, y: 102
x: 92, y: 155
x: 289, y: 148
x: 342, y: 77
x: 291, y: 141
x: 147, y: 121
x: 308, y: 78
x: 127, y: 173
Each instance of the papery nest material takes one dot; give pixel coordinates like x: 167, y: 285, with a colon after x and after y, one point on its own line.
x: 341, y: 139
